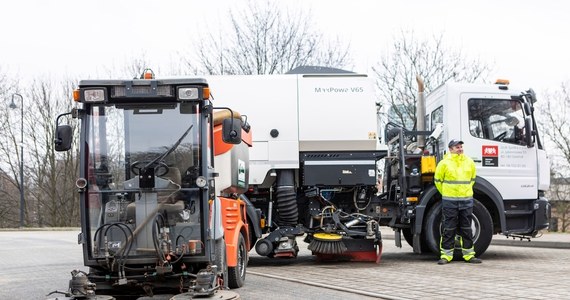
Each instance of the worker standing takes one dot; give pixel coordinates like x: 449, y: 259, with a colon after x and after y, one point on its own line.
x: 454, y: 179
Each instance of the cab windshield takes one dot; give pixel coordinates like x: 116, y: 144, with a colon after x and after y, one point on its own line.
x: 120, y: 142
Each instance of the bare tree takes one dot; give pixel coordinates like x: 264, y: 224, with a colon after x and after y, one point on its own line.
x: 53, y: 196
x: 9, y: 154
x: 429, y: 58
x: 556, y: 127
x: 265, y: 39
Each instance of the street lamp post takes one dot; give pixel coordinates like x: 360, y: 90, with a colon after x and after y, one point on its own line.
x: 13, y: 106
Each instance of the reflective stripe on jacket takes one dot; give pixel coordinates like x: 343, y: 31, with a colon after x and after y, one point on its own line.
x: 455, y: 176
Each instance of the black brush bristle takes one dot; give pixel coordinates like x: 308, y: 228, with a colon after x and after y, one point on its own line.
x: 327, y: 247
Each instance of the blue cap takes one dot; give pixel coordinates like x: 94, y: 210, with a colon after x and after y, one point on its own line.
x: 454, y: 142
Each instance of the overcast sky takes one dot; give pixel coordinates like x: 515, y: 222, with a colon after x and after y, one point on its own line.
x: 526, y: 41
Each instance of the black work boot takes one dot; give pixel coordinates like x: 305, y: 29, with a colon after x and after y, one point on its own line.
x: 442, y: 261
x: 474, y: 260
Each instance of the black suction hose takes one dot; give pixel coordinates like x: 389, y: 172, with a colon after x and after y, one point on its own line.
x: 286, y: 198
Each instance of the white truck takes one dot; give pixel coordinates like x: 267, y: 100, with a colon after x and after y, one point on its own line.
x: 316, y: 150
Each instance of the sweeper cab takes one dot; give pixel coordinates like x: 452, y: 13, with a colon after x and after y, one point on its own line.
x: 159, y: 168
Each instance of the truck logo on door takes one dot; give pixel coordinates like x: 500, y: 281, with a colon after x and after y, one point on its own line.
x: 490, y: 156
x: 490, y: 151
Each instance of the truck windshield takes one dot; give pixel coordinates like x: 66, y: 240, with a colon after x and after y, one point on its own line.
x: 118, y: 143
x: 118, y: 139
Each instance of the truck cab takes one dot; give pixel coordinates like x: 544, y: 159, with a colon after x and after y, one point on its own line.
x: 498, y: 126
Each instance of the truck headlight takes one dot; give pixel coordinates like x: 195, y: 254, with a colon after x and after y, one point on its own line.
x: 188, y: 93
x: 94, y: 95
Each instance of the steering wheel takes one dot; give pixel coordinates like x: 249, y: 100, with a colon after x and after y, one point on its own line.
x: 160, y: 168
x: 500, y: 137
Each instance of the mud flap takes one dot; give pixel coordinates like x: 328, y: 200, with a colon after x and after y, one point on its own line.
x: 417, y: 244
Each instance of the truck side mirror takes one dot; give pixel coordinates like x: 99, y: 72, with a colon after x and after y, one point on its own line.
x: 528, y: 132
x: 231, y: 131
x: 63, y: 135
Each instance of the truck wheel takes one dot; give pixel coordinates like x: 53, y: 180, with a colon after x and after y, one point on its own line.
x: 236, y: 275
x: 482, y: 226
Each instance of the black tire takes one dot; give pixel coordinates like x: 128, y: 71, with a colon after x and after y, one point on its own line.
x: 482, y: 229
x: 236, y: 275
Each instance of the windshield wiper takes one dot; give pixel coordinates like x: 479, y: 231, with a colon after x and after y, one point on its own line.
x: 170, y: 150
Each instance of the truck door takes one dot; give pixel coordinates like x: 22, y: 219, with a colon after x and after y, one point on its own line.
x: 493, y: 132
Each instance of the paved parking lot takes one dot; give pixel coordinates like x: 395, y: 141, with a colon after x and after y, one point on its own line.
x: 507, y: 272
x: 34, y: 263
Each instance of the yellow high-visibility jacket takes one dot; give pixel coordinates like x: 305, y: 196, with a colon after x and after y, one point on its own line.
x: 455, y: 176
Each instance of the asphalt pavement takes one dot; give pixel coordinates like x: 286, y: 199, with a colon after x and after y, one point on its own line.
x: 45, y: 259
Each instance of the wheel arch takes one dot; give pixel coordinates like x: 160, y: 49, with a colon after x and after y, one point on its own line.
x: 490, y: 197
x: 234, y: 224
x: 483, y: 191
x: 254, y: 230
x: 232, y: 243
x: 429, y: 197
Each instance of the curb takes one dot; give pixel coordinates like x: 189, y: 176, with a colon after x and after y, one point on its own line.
x: 512, y: 242
x: 42, y: 229
x: 531, y: 243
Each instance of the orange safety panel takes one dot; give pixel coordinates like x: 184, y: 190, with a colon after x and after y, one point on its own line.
x: 233, y: 220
